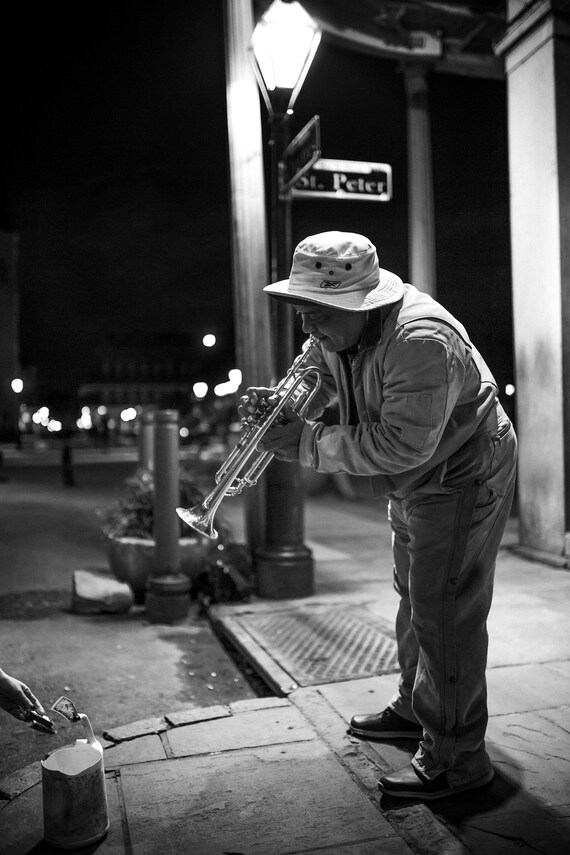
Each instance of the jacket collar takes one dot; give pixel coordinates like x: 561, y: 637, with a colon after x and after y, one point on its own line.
x: 372, y: 332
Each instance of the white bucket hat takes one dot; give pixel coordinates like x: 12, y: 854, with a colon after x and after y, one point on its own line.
x: 338, y: 269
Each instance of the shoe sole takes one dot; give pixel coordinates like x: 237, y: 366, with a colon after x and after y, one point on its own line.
x: 386, y: 734
x: 442, y: 794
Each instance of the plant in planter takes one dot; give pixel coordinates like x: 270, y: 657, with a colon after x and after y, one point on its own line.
x: 128, y: 527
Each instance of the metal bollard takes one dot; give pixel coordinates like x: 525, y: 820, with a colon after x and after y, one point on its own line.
x: 166, y: 478
x: 146, y: 442
x: 167, y: 596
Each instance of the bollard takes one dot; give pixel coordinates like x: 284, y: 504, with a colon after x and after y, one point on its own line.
x: 166, y: 478
x: 146, y: 442
x: 67, y: 465
x: 169, y: 601
x: 167, y: 598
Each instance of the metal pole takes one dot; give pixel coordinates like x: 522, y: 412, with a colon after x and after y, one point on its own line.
x: 166, y: 498
x: 146, y: 442
x: 284, y: 565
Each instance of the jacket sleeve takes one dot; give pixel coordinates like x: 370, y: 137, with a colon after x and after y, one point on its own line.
x: 422, y: 379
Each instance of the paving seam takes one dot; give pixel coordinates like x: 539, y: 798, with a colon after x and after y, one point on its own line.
x: 123, y: 811
x: 423, y: 832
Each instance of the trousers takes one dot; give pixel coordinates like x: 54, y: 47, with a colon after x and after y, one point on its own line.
x: 446, y: 536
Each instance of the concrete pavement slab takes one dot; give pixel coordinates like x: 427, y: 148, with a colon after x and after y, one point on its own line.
x: 520, y: 688
x: 524, y: 833
x: 136, y: 728
x: 246, y: 730
x: 191, y: 716
x: 530, y: 612
x: 533, y: 753
x: 141, y: 750
x: 505, y: 820
x: 290, y: 797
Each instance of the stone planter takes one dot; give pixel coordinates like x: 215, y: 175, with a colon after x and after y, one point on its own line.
x: 131, y: 560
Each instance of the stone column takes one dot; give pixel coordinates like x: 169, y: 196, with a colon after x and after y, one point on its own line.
x: 250, y: 243
x: 421, y: 218
x: 536, y: 49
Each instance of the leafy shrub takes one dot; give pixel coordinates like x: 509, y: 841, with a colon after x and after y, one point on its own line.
x: 132, y: 514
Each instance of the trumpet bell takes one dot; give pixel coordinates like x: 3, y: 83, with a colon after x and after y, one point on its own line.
x: 200, y: 519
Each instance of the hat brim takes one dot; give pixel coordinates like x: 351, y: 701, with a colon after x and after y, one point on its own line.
x: 390, y: 289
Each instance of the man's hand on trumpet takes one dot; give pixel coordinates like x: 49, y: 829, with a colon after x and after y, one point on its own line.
x: 283, y: 437
x: 255, y: 404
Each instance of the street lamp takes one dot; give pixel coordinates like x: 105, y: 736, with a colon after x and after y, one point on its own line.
x: 283, y: 46
x: 282, y: 49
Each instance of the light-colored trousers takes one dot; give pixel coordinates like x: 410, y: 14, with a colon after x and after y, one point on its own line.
x: 446, y: 537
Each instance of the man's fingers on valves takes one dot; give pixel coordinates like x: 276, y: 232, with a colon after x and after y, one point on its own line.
x: 253, y: 406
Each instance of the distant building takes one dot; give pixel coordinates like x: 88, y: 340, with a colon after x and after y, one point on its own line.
x: 147, y: 371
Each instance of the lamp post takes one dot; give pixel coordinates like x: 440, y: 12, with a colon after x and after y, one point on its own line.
x: 282, y: 48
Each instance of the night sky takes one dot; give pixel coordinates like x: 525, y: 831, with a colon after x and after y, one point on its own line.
x: 115, y: 177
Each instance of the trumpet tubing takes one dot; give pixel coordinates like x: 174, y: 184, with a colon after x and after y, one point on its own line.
x: 237, y: 473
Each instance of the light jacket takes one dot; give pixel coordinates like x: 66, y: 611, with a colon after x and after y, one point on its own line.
x: 415, y: 404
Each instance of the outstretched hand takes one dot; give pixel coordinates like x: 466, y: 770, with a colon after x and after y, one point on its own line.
x: 17, y: 698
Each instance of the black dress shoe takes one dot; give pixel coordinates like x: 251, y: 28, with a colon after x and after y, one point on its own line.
x: 385, y: 725
x: 408, y: 783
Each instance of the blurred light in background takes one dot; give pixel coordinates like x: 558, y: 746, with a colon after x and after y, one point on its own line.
x: 84, y: 421
x: 200, y: 389
x: 209, y: 340
x: 231, y: 386
x: 41, y: 417
x: 17, y: 385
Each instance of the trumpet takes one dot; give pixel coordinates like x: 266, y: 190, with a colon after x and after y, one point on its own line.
x: 230, y: 478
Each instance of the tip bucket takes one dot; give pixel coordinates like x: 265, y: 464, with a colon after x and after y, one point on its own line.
x: 74, y: 797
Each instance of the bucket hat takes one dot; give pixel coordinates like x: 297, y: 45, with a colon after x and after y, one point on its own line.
x: 338, y: 269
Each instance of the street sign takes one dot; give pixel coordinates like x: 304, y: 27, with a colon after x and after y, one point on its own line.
x: 301, y: 153
x: 352, y: 180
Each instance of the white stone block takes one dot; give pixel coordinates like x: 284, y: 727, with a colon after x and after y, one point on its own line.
x: 98, y: 592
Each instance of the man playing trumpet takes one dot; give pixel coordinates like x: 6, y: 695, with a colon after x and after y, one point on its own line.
x: 419, y: 415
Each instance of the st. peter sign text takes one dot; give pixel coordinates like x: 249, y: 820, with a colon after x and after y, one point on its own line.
x: 351, y: 180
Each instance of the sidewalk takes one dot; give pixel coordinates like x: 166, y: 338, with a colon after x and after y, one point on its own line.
x: 281, y: 775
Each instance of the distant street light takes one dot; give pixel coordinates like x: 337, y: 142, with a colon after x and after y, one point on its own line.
x: 282, y: 49
x: 17, y: 385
